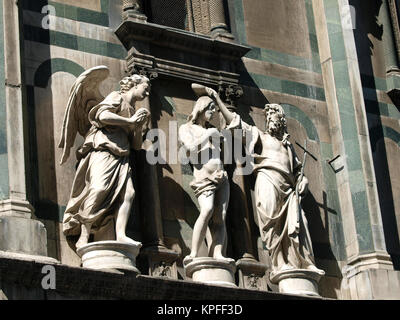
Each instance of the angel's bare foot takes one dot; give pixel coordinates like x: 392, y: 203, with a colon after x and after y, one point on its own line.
x: 84, y: 237
x: 126, y: 239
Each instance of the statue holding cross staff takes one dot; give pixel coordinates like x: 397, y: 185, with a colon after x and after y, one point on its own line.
x: 280, y: 184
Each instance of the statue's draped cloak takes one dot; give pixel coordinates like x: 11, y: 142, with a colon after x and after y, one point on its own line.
x: 287, y: 241
x: 103, y: 169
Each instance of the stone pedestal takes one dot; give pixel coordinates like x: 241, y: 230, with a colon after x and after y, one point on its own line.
x: 298, y: 281
x: 106, y: 255
x: 211, y: 271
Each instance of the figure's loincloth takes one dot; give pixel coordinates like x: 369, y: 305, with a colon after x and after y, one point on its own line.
x: 210, y: 183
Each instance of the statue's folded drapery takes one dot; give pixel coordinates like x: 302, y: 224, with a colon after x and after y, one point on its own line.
x: 277, y: 207
x: 103, y: 170
x: 287, y: 240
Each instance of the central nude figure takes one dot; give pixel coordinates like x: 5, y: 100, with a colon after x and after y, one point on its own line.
x: 210, y: 184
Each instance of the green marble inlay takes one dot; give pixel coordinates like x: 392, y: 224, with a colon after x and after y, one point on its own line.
x: 363, y: 224
x: 393, y: 82
x: 353, y: 156
x: 387, y: 132
x: 71, y: 12
x: 349, y: 126
x: 382, y: 109
x: 105, y: 4
x: 284, y: 86
x: 295, y: 113
x: 74, y: 42
x: 51, y: 66
x: 369, y: 81
x: 239, y: 21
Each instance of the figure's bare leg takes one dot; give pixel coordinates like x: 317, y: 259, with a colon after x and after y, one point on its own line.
x: 209, y: 240
x: 218, y: 223
x: 84, y: 237
x: 200, y: 227
x: 123, y: 214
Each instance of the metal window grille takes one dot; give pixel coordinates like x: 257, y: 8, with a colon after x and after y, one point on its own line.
x: 171, y: 13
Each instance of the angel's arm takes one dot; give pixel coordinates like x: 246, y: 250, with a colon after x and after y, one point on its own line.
x: 107, y: 117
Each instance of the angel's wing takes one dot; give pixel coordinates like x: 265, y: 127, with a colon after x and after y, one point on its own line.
x: 83, y: 96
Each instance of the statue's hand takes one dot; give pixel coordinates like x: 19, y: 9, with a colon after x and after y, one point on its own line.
x: 140, y: 116
x: 303, y: 186
x: 211, y: 93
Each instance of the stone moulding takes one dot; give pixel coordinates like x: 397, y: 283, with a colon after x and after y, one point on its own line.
x: 16, y: 207
x: 180, y: 54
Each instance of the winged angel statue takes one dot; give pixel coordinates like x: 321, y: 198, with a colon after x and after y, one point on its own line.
x: 102, y: 189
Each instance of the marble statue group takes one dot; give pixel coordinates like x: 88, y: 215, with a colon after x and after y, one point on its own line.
x: 103, y: 192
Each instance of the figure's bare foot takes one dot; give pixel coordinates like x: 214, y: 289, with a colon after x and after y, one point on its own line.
x: 126, y: 239
x: 221, y: 257
x: 313, y: 268
x: 188, y: 259
x: 286, y: 267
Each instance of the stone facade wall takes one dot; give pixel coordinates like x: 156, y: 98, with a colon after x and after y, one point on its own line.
x: 299, y: 57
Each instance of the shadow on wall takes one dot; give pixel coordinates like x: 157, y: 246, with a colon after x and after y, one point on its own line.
x: 367, y: 25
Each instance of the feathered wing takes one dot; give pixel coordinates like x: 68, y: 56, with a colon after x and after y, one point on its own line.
x: 83, y: 96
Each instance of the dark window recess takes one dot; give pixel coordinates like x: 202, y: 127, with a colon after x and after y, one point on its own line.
x: 171, y: 13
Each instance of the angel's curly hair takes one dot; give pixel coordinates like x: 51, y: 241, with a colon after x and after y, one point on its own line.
x: 128, y: 82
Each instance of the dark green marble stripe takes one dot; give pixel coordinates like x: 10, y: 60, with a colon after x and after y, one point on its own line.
x: 51, y: 66
x: 70, y: 41
x: 387, y: 132
x: 283, y: 86
x: 71, y: 12
x: 297, y: 114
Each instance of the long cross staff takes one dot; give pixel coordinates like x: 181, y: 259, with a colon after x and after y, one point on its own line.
x: 301, y: 178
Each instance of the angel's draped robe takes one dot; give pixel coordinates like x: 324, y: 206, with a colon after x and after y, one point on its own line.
x: 287, y: 241
x: 103, y: 169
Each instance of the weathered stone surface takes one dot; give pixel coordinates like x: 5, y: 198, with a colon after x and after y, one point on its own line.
x: 23, y: 235
x: 78, y: 283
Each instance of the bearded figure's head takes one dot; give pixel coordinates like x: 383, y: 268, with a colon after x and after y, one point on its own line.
x: 275, y: 119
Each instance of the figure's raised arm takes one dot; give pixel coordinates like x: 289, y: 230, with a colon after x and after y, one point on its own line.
x: 222, y: 107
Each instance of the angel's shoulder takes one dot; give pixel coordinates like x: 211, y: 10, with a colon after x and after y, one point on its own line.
x: 113, y: 98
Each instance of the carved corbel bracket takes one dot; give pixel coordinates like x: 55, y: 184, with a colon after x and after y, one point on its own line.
x: 252, y: 274
x: 161, y: 262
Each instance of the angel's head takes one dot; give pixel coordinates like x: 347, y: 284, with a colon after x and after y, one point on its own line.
x: 135, y: 87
